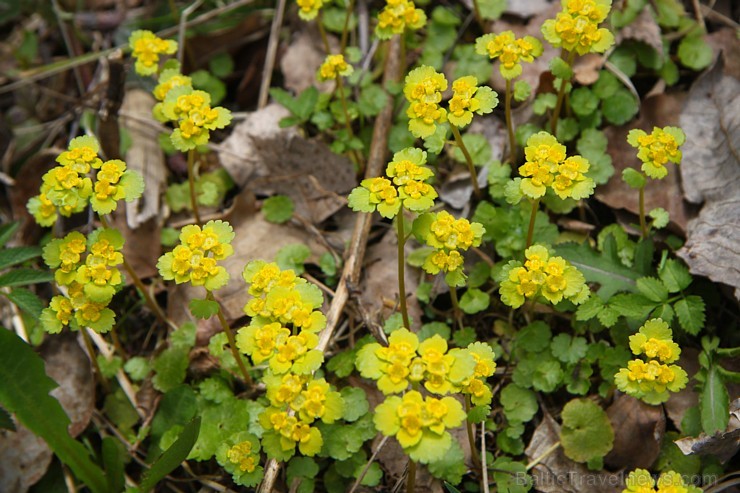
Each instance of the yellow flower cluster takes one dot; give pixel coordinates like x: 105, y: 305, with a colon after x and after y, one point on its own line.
x: 408, y: 189
x: 309, y: 9
x: 420, y: 424
x: 657, y: 148
x: 297, y: 400
x: 654, y: 379
x: 146, y: 48
x: 195, y: 259
x: 423, y: 89
x: 406, y: 361
x: 576, y: 27
x: 87, y: 268
x: 66, y: 188
x: 448, y: 236
x: 240, y: 456
x: 641, y: 481
x: 334, y: 66
x: 396, y: 16
x: 468, y: 98
x: 510, y: 51
x: 193, y: 115
x: 546, y: 166
x: 541, y: 275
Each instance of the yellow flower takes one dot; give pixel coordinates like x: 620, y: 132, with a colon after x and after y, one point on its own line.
x: 639, y: 481
x: 375, y: 194
x: 334, y: 66
x: 468, y: 98
x: 651, y: 381
x: 576, y: 28
x: 309, y: 9
x: 454, y: 234
x: 81, y: 155
x: 552, y: 278
x: 570, y: 180
x: 672, y: 482
x: 657, y: 148
x: 390, y: 365
x: 42, y: 209
x: 423, y: 89
x: 420, y: 425
x: 409, y: 165
x: 510, y: 51
x: 147, y: 48
x: 396, y: 16
x: 442, y: 261
x: 655, y: 340
x: 241, y: 454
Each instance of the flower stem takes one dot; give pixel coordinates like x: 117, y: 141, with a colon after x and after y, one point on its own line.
x: 643, y: 223
x: 510, y: 123
x: 561, y: 96
x: 471, y: 438
x: 348, y: 124
x: 322, y: 32
x: 468, y: 160
x: 456, y: 306
x: 91, y: 352
x: 532, y: 217
x: 232, y: 340
x: 139, y: 284
x: 411, y: 478
x: 345, y: 29
x: 191, y: 183
x: 401, y: 269
x: 478, y: 17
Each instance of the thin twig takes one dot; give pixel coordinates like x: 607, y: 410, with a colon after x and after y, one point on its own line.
x: 369, y: 463
x: 272, y: 46
x: 181, y: 28
x: 484, y: 466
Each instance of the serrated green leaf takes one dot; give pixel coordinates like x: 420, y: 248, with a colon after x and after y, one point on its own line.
x: 301, y: 467
x: 173, y: 456
x: 13, y: 256
x: 169, y: 368
x: 632, y: 306
x: 534, y: 337
x: 522, y: 90
x: 23, y: 277
x: 583, y: 101
x: 714, y: 403
x: 491, y: 9
x: 474, y: 300
x: 25, y: 392
x: 589, y: 309
x: 675, y: 276
x: 694, y: 52
x: 633, y: 178
x: 342, y: 363
x: 434, y: 328
x: 452, y: 467
x: 478, y: 147
x: 586, y: 433
x: 620, y: 107
x: 26, y: 301
x: 569, y: 349
x: 608, y: 316
x: 653, y: 289
x: 510, y: 476
x: 560, y: 68
x: 690, y: 312
x: 203, y: 308
x: 355, y: 403
x: 548, y: 375
x: 292, y: 257
x: 603, y: 268
x: 278, y: 209
x: 519, y: 404
x: 464, y: 337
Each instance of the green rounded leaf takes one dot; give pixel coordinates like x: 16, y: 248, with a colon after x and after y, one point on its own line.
x: 278, y: 209
x: 586, y: 433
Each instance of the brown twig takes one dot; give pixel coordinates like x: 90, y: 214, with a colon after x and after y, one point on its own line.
x: 272, y: 46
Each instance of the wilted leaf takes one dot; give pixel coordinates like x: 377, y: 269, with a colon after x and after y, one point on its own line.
x: 711, y: 173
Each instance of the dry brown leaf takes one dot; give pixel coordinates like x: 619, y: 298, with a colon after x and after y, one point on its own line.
x: 659, y: 110
x: 725, y: 40
x: 555, y: 473
x: 267, y: 159
x: 301, y: 61
x: 711, y: 174
x: 144, y: 156
x: 644, y: 28
x: 638, y: 433
x: 586, y: 68
x: 722, y: 445
x: 24, y: 459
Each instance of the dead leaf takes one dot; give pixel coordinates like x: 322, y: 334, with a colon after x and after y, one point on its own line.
x: 725, y: 41
x: 301, y: 61
x: 24, y: 459
x: 644, y: 28
x: 638, y: 433
x: 555, y: 473
x: 144, y: 156
x: 527, y: 8
x: 711, y: 174
x: 722, y: 445
x: 659, y: 110
x: 266, y: 158
x: 586, y: 68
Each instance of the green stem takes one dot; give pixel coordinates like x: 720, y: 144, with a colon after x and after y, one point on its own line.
x: 322, y: 32
x: 532, y: 217
x: 347, y: 123
x: 191, y: 183
x: 561, y: 96
x: 478, y: 17
x: 138, y: 283
x: 473, y: 451
x: 468, y: 160
x: 411, y: 478
x: 401, y: 269
x: 345, y: 29
x: 643, y: 222
x: 232, y: 340
x: 456, y: 307
x: 510, y: 123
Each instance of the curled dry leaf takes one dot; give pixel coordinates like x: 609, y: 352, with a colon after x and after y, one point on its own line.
x: 638, y: 433
x: 722, y: 445
x: 555, y: 473
x: 266, y: 158
x: 711, y: 174
x: 644, y: 28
